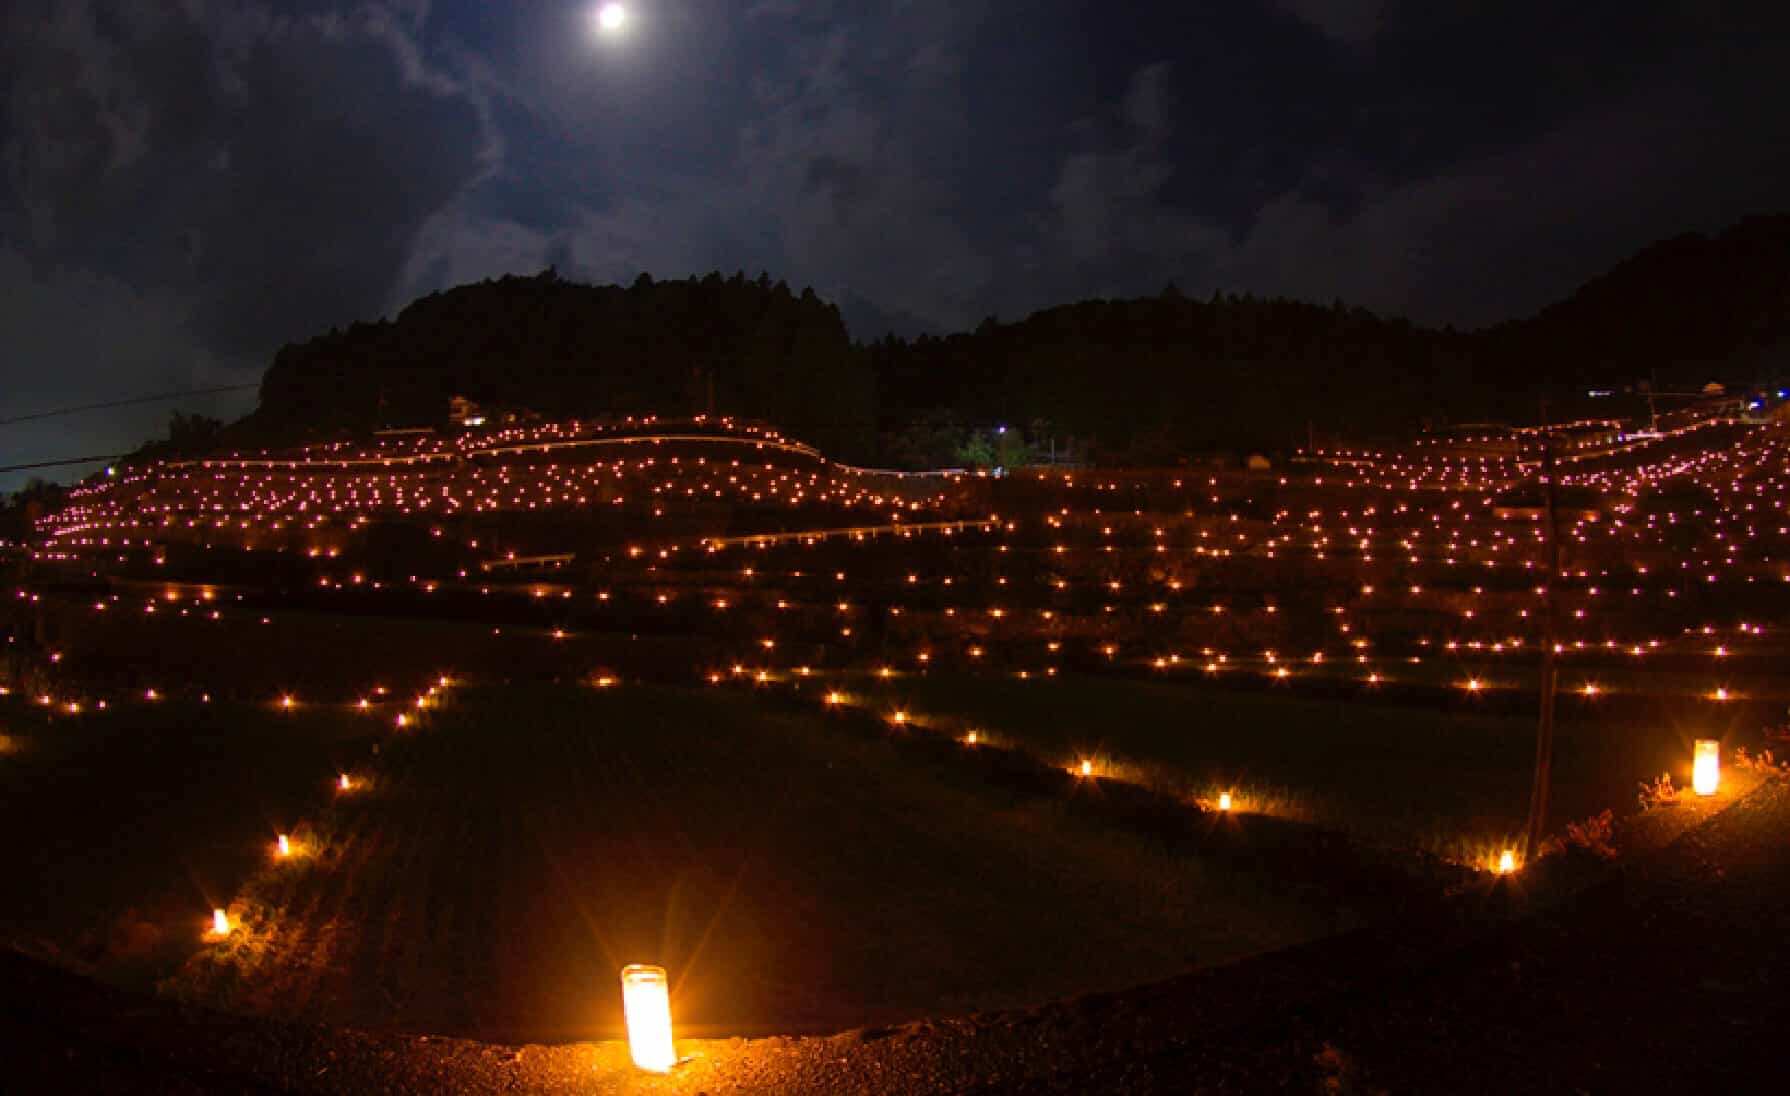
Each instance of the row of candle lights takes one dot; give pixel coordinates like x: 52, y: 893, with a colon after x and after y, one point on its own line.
x: 1705, y: 772
x: 648, y: 1007
x: 646, y: 1000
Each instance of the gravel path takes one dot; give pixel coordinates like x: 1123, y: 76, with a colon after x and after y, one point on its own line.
x: 1667, y: 975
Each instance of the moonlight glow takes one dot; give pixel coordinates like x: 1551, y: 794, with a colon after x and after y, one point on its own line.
x: 611, y: 18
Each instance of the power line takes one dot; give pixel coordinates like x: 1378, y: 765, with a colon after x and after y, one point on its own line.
x: 59, y: 463
x: 126, y: 403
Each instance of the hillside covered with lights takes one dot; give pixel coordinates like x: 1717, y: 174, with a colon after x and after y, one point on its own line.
x: 562, y: 350
x: 433, y: 731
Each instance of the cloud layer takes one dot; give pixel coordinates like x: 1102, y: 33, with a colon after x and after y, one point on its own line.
x: 188, y: 185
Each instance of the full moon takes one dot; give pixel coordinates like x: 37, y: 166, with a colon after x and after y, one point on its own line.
x: 611, y: 17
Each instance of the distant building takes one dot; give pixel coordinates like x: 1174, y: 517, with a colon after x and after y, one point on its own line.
x: 464, y: 412
x: 1580, y: 437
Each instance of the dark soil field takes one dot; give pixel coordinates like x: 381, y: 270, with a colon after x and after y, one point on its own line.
x: 500, y: 864
x: 123, y: 829
x: 1664, y: 975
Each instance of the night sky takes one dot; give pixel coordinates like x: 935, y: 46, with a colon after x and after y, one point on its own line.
x: 188, y: 185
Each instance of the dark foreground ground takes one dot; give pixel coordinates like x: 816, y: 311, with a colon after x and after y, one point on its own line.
x: 1667, y: 976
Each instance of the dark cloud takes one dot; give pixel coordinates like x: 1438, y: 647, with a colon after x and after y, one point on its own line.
x: 74, y: 337
x: 273, y: 169
x: 203, y: 181
x: 1354, y: 22
x: 1109, y: 204
x: 186, y: 187
x: 832, y: 159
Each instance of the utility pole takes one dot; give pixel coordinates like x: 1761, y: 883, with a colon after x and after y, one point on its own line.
x: 1550, y: 671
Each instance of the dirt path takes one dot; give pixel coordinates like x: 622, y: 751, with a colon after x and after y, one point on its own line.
x: 1668, y: 976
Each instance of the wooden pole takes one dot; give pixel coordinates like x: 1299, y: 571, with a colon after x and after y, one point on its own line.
x: 1550, y: 670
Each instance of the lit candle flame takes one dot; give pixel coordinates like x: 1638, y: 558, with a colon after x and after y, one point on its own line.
x: 1706, y: 770
x: 646, y: 1005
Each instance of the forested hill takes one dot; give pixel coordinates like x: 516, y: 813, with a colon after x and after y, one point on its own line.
x: 1173, y: 373
x: 1155, y: 376
x: 1690, y: 307
x: 568, y: 350
x: 1139, y: 379
x: 1167, y: 374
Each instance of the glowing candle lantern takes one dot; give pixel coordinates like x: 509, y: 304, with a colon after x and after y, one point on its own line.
x: 1224, y: 801
x: 285, y: 845
x: 220, y: 923
x: 1706, y: 769
x: 1507, y: 862
x: 1087, y: 768
x: 344, y: 783
x: 646, y: 1004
